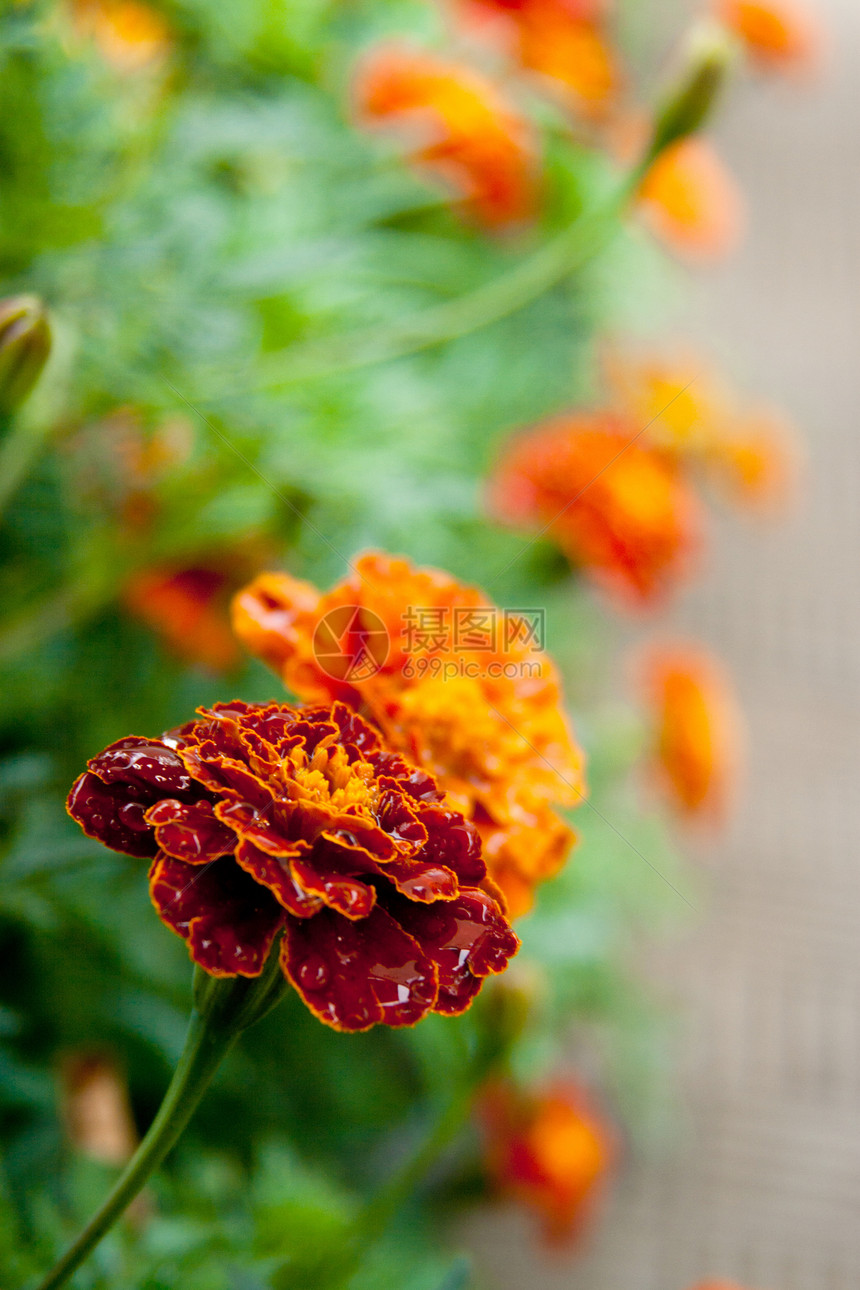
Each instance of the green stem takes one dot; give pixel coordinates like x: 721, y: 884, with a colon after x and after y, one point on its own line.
x: 489, y: 303
x: 205, y: 1046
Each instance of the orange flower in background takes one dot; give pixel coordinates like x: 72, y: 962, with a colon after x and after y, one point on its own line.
x: 619, y: 509
x: 551, y: 1151
x: 750, y: 455
x: 188, y: 609
x: 757, y: 462
x: 690, y: 200
x: 454, y: 684
x: 460, y: 128
x: 697, y: 729
x: 129, y: 35
x: 563, y: 40
x: 780, y: 35
x: 678, y: 398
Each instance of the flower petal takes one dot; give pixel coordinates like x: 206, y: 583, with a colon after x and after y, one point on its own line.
x: 228, y: 919
x: 275, y: 872
x: 146, y: 765
x: 355, y: 974
x: 105, y: 812
x: 190, y: 831
x: 467, y: 938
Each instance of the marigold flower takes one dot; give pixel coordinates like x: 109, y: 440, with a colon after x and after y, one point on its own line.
x: 483, y: 716
x: 130, y: 36
x: 756, y: 462
x: 678, y: 398
x: 562, y: 40
x: 619, y: 509
x: 750, y: 454
x: 462, y: 130
x: 188, y: 609
x: 697, y: 729
x: 552, y: 1151
x: 779, y: 35
x: 691, y: 201
x: 259, y: 817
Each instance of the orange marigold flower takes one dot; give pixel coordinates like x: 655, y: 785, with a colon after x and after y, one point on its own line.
x: 460, y: 127
x: 129, y: 35
x: 697, y: 729
x: 551, y: 1151
x: 780, y: 35
x: 717, y: 1285
x: 681, y: 402
x: 691, y: 201
x: 751, y: 455
x: 563, y: 40
x: 262, y: 817
x: 756, y: 462
x: 410, y: 649
x: 188, y: 609
x: 619, y: 509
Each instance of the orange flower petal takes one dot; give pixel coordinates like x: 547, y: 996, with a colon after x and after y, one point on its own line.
x: 691, y: 201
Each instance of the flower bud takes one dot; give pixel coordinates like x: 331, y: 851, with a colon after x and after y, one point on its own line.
x: 25, y: 343
x: 709, y: 56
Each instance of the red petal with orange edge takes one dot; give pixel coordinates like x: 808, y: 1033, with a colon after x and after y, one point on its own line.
x: 228, y: 919
x: 467, y: 938
x: 275, y: 873
x: 105, y: 812
x: 190, y: 831
x: 355, y: 974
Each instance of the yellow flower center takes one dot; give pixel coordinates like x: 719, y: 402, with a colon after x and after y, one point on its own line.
x: 329, y: 777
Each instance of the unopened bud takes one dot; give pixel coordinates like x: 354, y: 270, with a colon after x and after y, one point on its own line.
x: 708, y: 58
x: 25, y: 343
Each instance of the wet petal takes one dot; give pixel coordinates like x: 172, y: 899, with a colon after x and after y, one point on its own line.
x: 355, y: 974
x: 467, y: 938
x: 275, y: 872
x: 105, y: 812
x: 190, y: 831
x: 228, y: 919
x: 147, y: 766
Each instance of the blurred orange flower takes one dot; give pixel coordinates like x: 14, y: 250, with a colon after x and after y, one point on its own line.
x: 692, y: 202
x: 619, y: 509
x: 460, y: 128
x: 757, y: 462
x: 129, y: 35
x: 564, y: 40
x: 551, y: 1151
x: 188, y: 609
x: 750, y: 455
x: 454, y: 684
x: 697, y: 729
x: 778, y: 34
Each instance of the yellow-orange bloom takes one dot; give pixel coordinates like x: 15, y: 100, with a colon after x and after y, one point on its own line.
x: 452, y: 682
x: 680, y: 401
x: 188, y: 609
x: 717, y: 1285
x: 750, y: 455
x: 778, y: 34
x: 563, y: 40
x: 129, y: 35
x: 697, y: 730
x: 618, y: 508
x: 460, y: 129
x: 756, y: 463
x: 692, y: 202
x: 551, y: 1151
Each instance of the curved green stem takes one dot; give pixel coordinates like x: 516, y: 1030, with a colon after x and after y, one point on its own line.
x: 205, y: 1046
x: 488, y: 303
x: 223, y: 1008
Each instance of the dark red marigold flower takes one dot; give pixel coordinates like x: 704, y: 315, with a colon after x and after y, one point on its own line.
x: 263, y: 817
